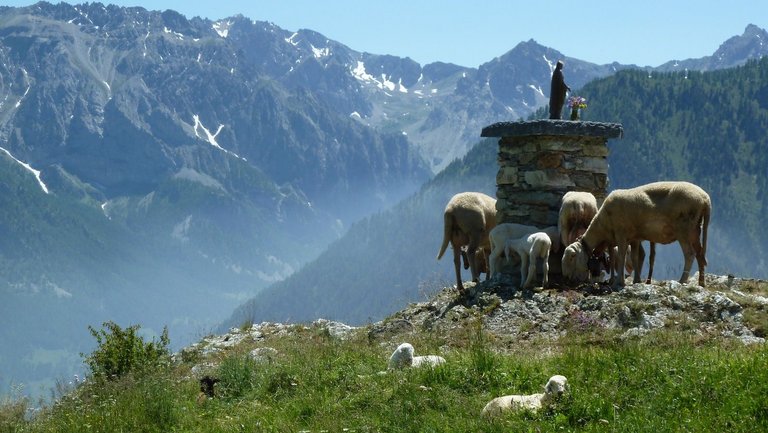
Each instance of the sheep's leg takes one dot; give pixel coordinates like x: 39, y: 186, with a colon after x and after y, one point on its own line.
x: 474, y: 244
x: 486, y: 253
x: 688, y: 254
x: 493, y: 257
x: 545, y: 268
x: 637, y: 263
x: 622, y: 262
x: 698, y: 249
x: 651, y: 259
x: 612, y: 265
x: 457, y: 266
x: 529, y: 280
x: 523, y: 268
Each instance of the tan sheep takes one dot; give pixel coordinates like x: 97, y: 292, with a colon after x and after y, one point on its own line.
x: 498, y: 238
x: 530, y: 248
x: 468, y: 218
x: 660, y: 212
x: 576, y: 212
x: 555, y: 388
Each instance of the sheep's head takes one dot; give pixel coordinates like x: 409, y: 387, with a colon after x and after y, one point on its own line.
x: 574, y: 263
x: 402, y: 356
x: 556, y: 386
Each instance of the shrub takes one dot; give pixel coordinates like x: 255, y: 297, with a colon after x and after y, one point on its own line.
x: 237, y: 374
x: 12, y: 412
x: 121, y: 351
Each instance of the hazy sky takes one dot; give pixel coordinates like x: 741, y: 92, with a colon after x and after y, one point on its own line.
x: 467, y: 33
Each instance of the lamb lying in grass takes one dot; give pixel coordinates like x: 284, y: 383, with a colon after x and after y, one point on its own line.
x: 554, y: 389
x: 403, y: 357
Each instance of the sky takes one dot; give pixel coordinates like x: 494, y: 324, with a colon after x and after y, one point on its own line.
x: 645, y: 33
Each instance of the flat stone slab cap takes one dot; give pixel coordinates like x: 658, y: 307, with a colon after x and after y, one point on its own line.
x: 553, y: 127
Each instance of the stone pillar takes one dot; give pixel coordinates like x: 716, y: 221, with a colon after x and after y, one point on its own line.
x: 541, y: 160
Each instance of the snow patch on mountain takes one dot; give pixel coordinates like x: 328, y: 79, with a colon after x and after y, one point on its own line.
x: 29, y: 168
x: 319, y: 53
x: 171, y: 32
x: 222, y: 28
x: 291, y: 40
x: 211, y: 138
x: 385, y: 83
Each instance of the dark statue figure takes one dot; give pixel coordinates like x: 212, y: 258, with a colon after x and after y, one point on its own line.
x: 557, y: 92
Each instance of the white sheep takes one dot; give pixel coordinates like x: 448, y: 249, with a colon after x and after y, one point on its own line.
x: 403, y: 357
x: 555, y: 388
x: 498, y: 238
x: 660, y: 212
x: 576, y: 211
x: 530, y: 248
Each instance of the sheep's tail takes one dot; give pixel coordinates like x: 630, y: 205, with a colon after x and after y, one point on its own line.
x: 704, y: 229
x: 447, y: 232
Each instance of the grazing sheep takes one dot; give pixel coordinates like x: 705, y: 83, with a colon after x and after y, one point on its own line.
x: 660, y: 212
x: 403, y: 357
x: 530, y: 248
x: 498, y: 238
x: 555, y: 388
x: 576, y: 212
x: 468, y: 218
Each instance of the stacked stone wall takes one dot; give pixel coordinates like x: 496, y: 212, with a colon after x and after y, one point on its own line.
x: 536, y: 171
x: 541, y: 160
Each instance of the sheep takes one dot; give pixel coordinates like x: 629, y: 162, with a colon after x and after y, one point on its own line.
x: 555, y: 388
x: 468, y: 218
x: 530, y: 248
x: 498, y: 237
x: 403, y: 357
x: 576, y: 211
x: 660, y: 212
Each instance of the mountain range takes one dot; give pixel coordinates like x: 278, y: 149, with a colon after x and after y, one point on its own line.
x: 164, y: 170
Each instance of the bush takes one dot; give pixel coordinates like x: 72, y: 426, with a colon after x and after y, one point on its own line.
x: 121, y: 351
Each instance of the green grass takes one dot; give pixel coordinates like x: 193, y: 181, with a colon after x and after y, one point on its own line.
x: 665, y: 382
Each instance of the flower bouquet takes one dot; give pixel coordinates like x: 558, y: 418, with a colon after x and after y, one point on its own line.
x: 576, y: 103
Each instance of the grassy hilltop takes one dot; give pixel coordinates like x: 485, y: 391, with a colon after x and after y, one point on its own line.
x: 662, y: 357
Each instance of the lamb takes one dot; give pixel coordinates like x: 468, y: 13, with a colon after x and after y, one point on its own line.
x: 468, y: 218
x: 576, y: 211
x: 660, y: 212
x: 555, y: 388
x: 530, y: 248
x: 498, y: 237
x: 403, y: 357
